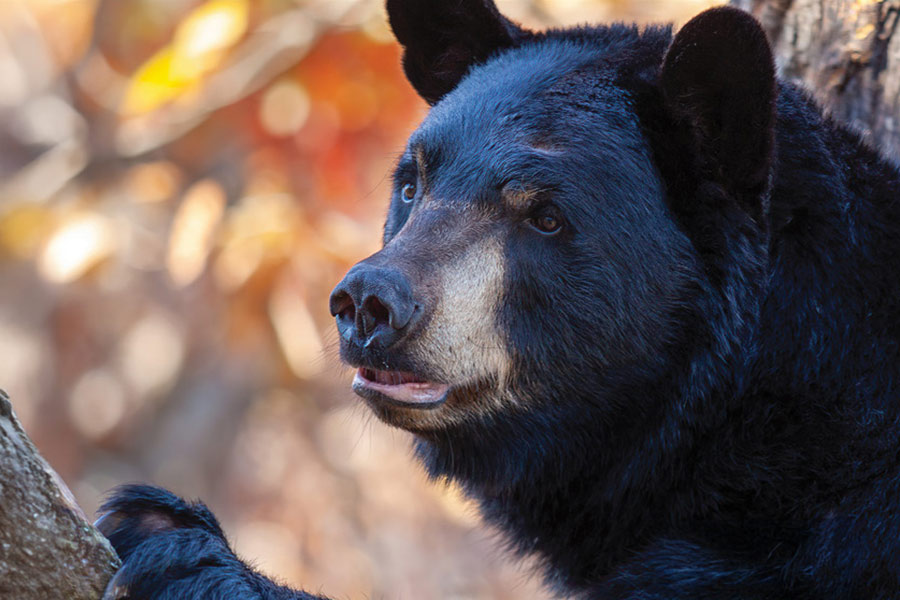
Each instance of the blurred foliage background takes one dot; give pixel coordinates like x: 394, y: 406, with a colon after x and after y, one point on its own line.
x: 183, y: 182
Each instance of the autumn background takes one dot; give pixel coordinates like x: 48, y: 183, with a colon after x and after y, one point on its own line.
x: 183, y: 182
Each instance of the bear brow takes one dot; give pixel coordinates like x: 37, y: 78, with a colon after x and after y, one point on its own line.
x: 519, y: 197
x: 419, y: 155
x: 543, y: 145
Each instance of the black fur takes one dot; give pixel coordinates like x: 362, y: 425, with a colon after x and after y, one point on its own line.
x: 175, y: 550
x: 708, y: 354
x: 442, y: 40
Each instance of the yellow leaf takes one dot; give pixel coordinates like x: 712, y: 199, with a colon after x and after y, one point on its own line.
x: 198, y: 47
x: 154, y: 84
x: 211, y: 27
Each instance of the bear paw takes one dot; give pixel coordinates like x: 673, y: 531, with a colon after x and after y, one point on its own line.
x: 170, y: 548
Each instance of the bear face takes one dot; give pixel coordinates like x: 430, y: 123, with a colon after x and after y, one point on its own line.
x: 520, y: 248
x: 532, y: 249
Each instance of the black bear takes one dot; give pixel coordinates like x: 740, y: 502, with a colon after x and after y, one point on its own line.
x: 640, y: 298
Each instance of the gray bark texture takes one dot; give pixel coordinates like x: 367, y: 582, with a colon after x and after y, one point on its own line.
x: 48, y: 549
x: 847, y: 52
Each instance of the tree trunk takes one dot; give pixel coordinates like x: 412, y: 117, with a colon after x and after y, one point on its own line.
x: 48, y: 549
x: 847, y: 52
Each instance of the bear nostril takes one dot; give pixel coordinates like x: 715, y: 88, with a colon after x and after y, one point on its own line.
x: 375, y: 313
x: 344, y: 311
x: 347, y: 314
x: 341, y: 306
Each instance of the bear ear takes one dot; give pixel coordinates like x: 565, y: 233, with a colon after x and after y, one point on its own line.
x: 718, y: 80
x: 443, y: 38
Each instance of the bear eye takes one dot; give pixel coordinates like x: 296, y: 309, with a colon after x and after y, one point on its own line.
x: 408, y: 192
x: 547, y: 224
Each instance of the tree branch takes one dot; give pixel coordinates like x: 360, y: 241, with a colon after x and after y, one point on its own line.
x: 48, y: 549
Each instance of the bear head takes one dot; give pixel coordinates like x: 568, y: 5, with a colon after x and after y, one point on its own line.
x: 576, y: 230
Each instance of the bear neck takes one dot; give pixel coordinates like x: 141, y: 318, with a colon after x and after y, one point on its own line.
x: 562, y: 487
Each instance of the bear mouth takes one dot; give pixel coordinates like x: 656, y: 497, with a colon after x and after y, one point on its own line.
x: 399, y: 387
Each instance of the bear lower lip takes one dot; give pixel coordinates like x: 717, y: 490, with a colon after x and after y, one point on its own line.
x: 399, y: 386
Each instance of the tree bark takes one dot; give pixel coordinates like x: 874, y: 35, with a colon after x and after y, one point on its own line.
x: 847, y: 52
x: 48, y: 549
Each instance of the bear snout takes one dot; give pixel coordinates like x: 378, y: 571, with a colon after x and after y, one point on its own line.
x: 373, y: 305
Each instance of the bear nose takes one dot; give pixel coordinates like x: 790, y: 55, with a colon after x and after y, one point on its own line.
x: 372, y: 304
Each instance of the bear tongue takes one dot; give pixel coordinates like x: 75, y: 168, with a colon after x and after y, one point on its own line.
x: 400, y: 386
